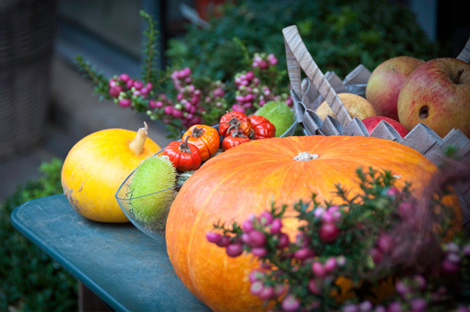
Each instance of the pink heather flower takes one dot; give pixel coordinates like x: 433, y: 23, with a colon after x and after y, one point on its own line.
x: 330, y: 265
x: 318, y: 269
x: 283, y: 241
x: 329, y: 232
x: 418, y: 304
x: 234, y: 250
x: 129, y: 83
x: 218, y: 92
x: 213, y: 237
x: 377, y: 255
x: 144, y: 91
x: 256, y: 288
x: 453, y: 257
x: 451, y: 247
x: 257, y: 238
x: 238, y: 108
x: 177, y: 113
x: 350, y: 308
x: 125, y: 102
x: 259, y: 252
x: 266, y: 218
x: 224, y: 241
x: 249, y: 75
x: 247, y: 225
x: 168, y: 110
x: 290, y: 303
x: 450, y: 267
x: 266, y: 293
x: 385, y: 242
x: 115, y: 91
x: 124, y: 77
x: 395, y: 307
x: 138, y: 84
x: 303, y: 253
x: 466, y: 250
x: 249, y: 97
x: 272, y: 59
x: 314, y: 287
x: 276, y: 226
x: 113, y: 83
x: 255, y: 275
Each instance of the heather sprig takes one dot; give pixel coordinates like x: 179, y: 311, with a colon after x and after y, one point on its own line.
x: 367, y: 239
x: 178, y: 99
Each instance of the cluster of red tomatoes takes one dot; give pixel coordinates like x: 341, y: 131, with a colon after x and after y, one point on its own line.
x: 200, y: 142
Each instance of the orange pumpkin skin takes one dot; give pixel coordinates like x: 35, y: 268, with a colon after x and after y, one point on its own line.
x: 94, y: 169
x: 244, y: 180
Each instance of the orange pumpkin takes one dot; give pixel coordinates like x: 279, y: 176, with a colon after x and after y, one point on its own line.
x: 246, y: 179
x: 96, y: 166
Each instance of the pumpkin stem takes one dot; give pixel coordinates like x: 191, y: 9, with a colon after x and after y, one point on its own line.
x: 305, y: 156
x: 137, y: 145
x: 184, y: 147
x: 197, y: 132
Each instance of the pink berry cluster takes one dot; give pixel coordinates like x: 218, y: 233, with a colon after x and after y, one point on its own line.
x: 357, y: 241
x: 125, y: 91
x: 254, y: 88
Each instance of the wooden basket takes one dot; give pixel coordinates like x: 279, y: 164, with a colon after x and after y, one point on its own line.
x: 27, y: 29
x: 308, y: 93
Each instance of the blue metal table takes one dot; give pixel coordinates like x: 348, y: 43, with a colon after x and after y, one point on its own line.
x: 125, y: 268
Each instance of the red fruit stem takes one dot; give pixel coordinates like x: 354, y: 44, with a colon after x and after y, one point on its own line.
x: 137, y: 145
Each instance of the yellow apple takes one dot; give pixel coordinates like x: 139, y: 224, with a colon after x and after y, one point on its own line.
x: 356, y: 105
x: 386, y: 81
x: 437, y: 94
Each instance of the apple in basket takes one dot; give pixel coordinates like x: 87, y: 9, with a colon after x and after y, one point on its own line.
x: 437, y: 94
x: 386, y: 81
x: 372, y: 122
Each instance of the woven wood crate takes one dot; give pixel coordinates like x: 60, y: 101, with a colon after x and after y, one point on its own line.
x: 310, y: 92
x: 27, y: 29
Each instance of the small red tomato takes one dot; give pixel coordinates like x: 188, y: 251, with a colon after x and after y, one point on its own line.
x: 261, y: 127
x: 234, y: 139
x: 206, y: 138
x: 232, y: 120
x: 184, y: 156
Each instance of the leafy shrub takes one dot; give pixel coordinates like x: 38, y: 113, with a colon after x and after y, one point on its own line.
x: 339, y: 35
x: 29, y: 279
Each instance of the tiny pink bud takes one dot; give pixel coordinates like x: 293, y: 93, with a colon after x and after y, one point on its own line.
x: 266, y: 293
x: 351, y: 307
x: 112, y: 83
x: 247, y: 225
x: 377, y: 255
x: 256, y: 288
x: 303, y: 253
x: 255, y: 275
x: 466, y: 250
x: 265, y: 218
x: 249, y: 75
x: 257, y: 238
x: 276, y: 226
x: 177, y: 113
x: 259, y: 252
x: 279, y: 289
x: 124, y: 77
x: 418, y: 304
x: 395, y: 307
x: 365, y: 306
x: 224, y: 241
x: 129, y: 83
x: 318, y: 269
x: 138, y: 84
x: 450, y: 267
x: 149, y: 86
x: 453, y: 257
x: 314, y: 287
x: 213, y: 237
x: 168, y: 110
x: 283, y: 241
x: 385, y: 242
x: 330, y: 265
x: 125, y: 102
x: 329, y: 232
x: 290, y: 303
x: 234, y: 250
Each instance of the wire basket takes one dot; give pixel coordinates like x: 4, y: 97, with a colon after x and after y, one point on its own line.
x: 308, y: 93
x: 27, y: 29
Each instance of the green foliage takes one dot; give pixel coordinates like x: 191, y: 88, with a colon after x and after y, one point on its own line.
x: 29, y: 279
x: 339, y: 35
